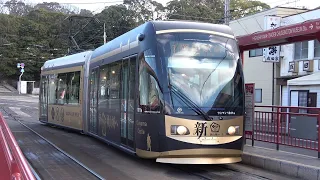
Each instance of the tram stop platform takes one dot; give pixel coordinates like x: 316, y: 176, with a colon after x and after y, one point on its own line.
x: 292, y: 164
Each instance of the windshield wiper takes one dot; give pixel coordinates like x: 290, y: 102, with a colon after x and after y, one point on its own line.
x: 189, y: 102
x: 214, y: 68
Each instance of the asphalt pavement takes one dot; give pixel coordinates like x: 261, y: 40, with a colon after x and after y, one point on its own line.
x: 109, y: 162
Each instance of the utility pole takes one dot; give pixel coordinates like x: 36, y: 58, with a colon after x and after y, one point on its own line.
x: 104, y: 34
x: 227, y: 11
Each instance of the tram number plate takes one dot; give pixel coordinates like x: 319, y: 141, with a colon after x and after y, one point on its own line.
x: 211, y: 139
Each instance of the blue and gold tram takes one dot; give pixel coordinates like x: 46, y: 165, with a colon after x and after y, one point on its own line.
x: 168, y: 90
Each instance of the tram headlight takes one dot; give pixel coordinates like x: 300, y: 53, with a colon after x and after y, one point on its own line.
x: 233, y: 130
x: 179, y: 130
x: 182, y: 130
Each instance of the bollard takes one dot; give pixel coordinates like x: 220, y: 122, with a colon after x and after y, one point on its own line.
x: 318, y: 134
x: 278, y: 127
x: 252, y: 134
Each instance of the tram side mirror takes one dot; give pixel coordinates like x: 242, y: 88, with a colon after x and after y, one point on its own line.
x: 141, y: 37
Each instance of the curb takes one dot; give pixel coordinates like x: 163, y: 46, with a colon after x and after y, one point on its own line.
x: 289, y: 168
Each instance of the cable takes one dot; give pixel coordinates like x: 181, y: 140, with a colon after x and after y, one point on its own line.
x: 242, y: 26
x: 52, y: 3
x: 193, y: 16
x: 258, y: 23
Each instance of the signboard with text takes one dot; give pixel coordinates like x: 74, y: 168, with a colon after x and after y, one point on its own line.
x: 249, y: 106
x: 281, y: 35
x: 272, y: 53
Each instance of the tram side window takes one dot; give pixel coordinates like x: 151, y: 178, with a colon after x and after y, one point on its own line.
x: 73, y: 87
x: 109, y: 86
x: 104, y: 83
x: 62, y: 88
x: 52, y: 89
x: 65, y: 89
x: 43, y: 86
x: 113, y: 86
x: 149, y: 92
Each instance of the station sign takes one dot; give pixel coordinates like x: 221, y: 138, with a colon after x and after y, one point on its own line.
x: 249, y: 107
x: 21, y: 67
x: 307, y: 30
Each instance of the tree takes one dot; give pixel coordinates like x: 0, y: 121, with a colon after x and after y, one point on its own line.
x: 241, y: 8
x: 85, y: 12
x: 35, y: 34
x: 2, y: 7
x: 145, y: 10
x: 31, y: 39
x: 208, y: 11
x: 212, y: 10
x: 118, y: 20
x: 56, y: 7
x: 8, y: 47
x: 18, y: 8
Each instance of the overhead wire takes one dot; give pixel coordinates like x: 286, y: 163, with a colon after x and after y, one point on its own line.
x: 46, y: 3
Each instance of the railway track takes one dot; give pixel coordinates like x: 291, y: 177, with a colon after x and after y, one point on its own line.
x: 73, y: 148
x: 221, y: 172
x: 46, y: 159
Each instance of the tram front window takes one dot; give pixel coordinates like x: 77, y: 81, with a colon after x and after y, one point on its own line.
x: 203, y: 71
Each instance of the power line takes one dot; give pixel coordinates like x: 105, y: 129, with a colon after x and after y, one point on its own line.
x: 21, y: 3
x: 229, y: 15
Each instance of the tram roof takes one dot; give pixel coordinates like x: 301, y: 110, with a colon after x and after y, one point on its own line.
x: 166, y: 25
x: 113, y: 46
x: 66, y: 61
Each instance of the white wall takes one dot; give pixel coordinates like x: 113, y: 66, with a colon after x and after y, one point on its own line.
x: 250, y: 24
x: 254, y: 23
x: 255, y: 70
x: 288, y: 50
x: 298, y: 18
x: 259, y: 72
x: 288, y: 53
x: 36, y: 91
x: 312, y: 89
x: 289, y: 57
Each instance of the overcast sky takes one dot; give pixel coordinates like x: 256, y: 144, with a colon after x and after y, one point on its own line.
x: 98, y: 5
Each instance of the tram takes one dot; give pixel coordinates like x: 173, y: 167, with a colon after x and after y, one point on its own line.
x: 167, y: 90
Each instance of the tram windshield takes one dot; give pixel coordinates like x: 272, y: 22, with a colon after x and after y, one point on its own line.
x: 203, y: 69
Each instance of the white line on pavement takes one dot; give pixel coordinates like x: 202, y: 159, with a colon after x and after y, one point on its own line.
x: 22, y: 105
x: 19, y: 112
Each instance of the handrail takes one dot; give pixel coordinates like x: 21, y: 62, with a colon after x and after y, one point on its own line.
x: 299, y: 114
x: 275, y: 124
x: 290, y: 107
x: 18, y: 166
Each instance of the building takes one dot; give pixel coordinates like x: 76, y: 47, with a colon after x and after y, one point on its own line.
x: 300, y: 67
x: 263, y: 74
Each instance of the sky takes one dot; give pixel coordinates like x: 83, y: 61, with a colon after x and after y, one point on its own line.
x: 98, y: 5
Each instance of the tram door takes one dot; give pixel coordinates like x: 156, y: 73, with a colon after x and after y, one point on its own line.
x: 93, y: 128
x: 44, y: 98
x: 127, y: 101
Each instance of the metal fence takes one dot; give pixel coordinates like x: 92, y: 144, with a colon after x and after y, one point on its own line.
x: 289, y: 126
